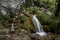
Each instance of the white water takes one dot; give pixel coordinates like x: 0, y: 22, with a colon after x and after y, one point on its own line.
x: 39, y: 28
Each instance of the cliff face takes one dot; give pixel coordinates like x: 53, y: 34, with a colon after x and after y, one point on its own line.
x: 11, y: 3
x: 9, y: 6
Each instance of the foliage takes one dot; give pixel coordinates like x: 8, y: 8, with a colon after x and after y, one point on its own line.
x: 22, y: 7
x: 22, y: 19
x: 44, y: 18
x: 47, y: 4
x: 33, y: 10
x: 26, y: 27
x: 52, y: 27
x: 50, y: 24
x: 29, y: 3
x: 46, y: 28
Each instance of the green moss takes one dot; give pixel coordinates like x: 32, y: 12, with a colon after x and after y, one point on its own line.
x: 27, y: 28
x: 18, y: 30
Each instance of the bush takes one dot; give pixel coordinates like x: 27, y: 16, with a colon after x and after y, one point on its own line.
x: 50, y: 23
x: 22, y: 19
x: 44, y: 18
x: 46, y: 28
x: 33, y: 10
x: 47, y: 4
x: 22, y: 7
x: 54, y: 28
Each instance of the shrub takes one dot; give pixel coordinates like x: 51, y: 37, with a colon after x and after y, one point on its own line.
x: 50, y: 23
x: 33, y: 10
x: 54, y: 26
x: 22, y: 19
x: 44, y: 18
x: 46, y: 28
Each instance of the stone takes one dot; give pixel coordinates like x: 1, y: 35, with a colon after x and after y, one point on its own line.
x: 24, y: 35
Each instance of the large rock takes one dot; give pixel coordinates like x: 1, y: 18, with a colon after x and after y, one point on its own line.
x: 47, y: 37
x: 8, y: 6
x: 11, y: 3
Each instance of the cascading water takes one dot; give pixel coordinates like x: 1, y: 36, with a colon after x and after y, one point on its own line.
x: 39, y: 29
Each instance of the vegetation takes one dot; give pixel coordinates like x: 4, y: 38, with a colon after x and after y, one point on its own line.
x: 27, y: 28
x: 22, y: 19
x: 33, y: 10
x: 50, y: 23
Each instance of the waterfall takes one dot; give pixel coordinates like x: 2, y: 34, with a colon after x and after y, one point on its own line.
x: 38, y: 26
